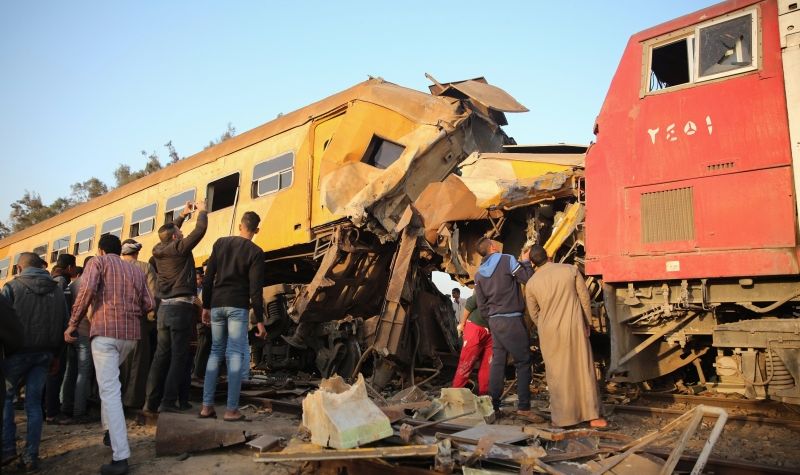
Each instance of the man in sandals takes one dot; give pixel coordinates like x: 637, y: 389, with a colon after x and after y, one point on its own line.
x: 232, y: 285
x: 559, y: 305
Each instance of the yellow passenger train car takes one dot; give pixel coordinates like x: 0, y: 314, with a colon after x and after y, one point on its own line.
x: 300, y: 172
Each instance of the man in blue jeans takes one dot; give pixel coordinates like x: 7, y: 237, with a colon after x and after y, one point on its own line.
x: 233, y: 282
x: 42, y: 310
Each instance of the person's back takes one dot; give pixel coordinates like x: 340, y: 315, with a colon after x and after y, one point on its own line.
x: 174, y: 259
x: 41, y: 308
x: 555, y: 289
x: 234, y: 274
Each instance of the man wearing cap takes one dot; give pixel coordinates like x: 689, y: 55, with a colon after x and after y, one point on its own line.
x: 134, y: 371
x: 499, y: 296
x: 176, y: 290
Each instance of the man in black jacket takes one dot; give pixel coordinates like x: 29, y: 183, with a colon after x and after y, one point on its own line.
x: 233, y: 284
x: 40, y: 306
x: 175, y: 288
x: 11, y: 336
x: 499, y: 295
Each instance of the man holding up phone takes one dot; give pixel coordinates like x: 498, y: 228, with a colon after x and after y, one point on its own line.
x: 175, y: 287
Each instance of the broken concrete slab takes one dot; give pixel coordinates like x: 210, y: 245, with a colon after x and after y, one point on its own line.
x: 341, y: 416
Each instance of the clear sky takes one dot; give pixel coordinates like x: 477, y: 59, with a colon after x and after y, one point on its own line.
x: 84, y: 86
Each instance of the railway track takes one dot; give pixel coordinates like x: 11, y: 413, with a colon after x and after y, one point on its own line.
x: 743, y: 410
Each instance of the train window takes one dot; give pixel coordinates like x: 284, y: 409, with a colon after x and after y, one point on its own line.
x: 176, y: 203
x: 671, y: 64
x: 41, y: 251
x: 112, y: 226
x: 143, y: 220
x: 273, y: 175
x: 382, y: 153
x: 83, y: 241
x: 15, y: 267
x: 4, y: 267
x: 714, y: 49
x: 726, y: 47
x: 60, y: 246
x: 222, y: 193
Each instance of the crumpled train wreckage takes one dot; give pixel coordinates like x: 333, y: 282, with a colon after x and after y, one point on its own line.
x: 371, y: 305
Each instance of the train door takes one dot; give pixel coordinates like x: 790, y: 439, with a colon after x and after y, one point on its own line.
x: 324, y: 131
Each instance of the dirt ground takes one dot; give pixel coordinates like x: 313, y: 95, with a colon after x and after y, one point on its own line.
x: 78, y: 449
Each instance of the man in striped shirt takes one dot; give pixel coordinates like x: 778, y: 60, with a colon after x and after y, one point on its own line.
x: 118, y: 294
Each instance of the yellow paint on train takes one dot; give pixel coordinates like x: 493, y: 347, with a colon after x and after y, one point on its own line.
x: 275, y: 170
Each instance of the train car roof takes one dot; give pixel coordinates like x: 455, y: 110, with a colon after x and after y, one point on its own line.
x: 374, y: 90
x: 693, y: 18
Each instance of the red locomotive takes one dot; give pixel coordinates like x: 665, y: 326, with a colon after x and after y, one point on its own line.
x: 691, y: 214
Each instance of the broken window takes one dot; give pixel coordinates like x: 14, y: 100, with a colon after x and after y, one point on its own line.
x: 143, y: 220
x: 176, y: 204
x: 671, y: 64
x: 112, y: 226
x: 4, y: 268
x: 60, y: 246
x: 222, y: 193
x: 382, y: 153
x: 273, y: 175
x: 41, y: 251
x: 726, y: 46
x: 707, y: 51
x: 83, y: 241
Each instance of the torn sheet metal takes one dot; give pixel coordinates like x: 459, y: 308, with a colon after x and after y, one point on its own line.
x: 265, y: 442
x: 506, y: 434
x: 310, y: 452
x: 182, y: 433
x: 342, y: 416
x: 454, y: 401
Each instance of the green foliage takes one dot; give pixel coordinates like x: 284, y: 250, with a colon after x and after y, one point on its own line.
x: 30, y: 209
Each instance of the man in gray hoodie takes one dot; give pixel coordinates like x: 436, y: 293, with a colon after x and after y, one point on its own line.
x: 498, y: 292
x: 42, y: 310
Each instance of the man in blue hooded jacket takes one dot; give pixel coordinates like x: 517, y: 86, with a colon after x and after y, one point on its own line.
x: 498, y: 292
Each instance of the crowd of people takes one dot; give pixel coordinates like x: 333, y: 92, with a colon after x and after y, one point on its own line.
x: 128, y: 325
x: 492, y: 325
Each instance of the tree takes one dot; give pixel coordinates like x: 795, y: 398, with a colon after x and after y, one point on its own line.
x: 28, y: 211
x: 173, y: 154
x: 229, y: 133
x: 5, y: 231
x: 85, y: 191
x: 123, y: 174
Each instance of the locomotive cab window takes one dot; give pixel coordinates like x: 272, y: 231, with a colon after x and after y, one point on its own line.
x: 176, y: 203
x: 41, y: 251
x: 143, y: 220
x: 671, y: 64
x: 60, y: 246
x: 272, y: 175
x: 718, y: 48
x: 83, y: 241
x: 112, y: 226
x: 222, y: 193
x: 382, y: 153
x: 4, y: 267
x: 726, y: 47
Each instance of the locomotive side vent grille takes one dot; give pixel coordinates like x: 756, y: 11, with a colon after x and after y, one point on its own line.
x: 720, y: 166
x: 667, y: 215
